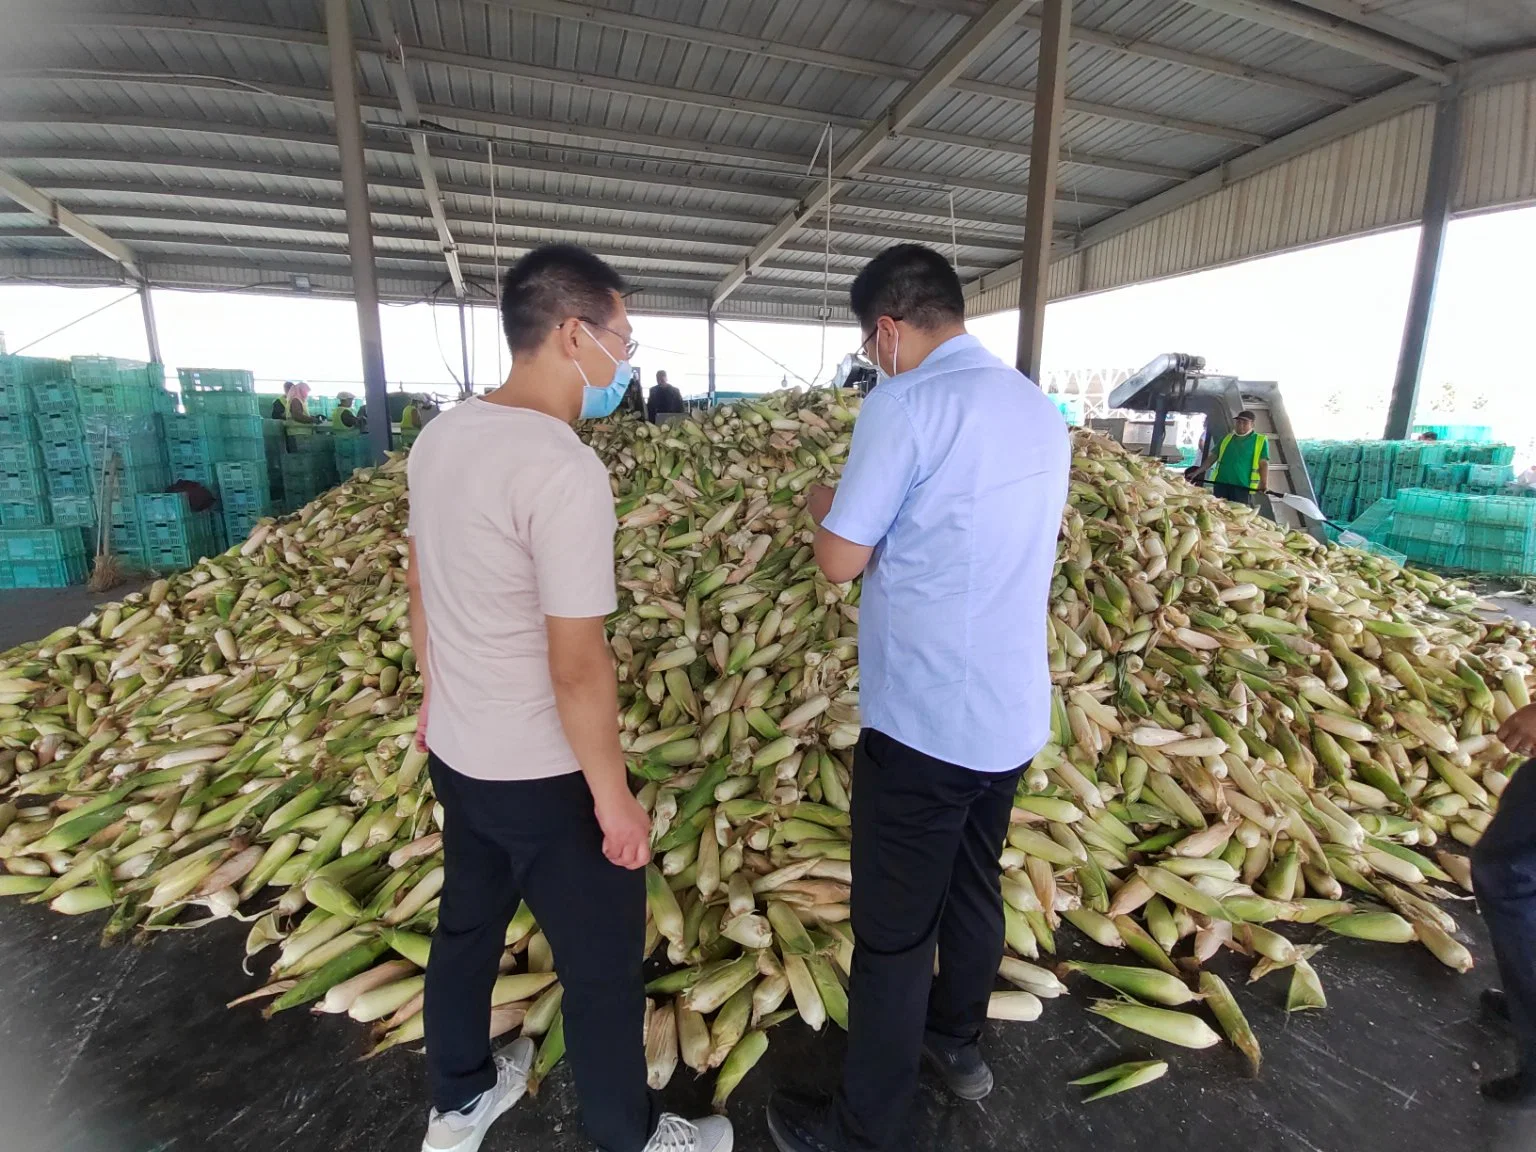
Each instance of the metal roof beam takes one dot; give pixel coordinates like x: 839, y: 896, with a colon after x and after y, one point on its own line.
x: 441, y: 113
x: 1081, y: 159
x: 41, y: 204
x: 1129, y: 46
x: 1399, y: 29
x: 333, y: 176
x: 1124, y: 115
x: 400, y: 80
x: 842, y: 225
x: 324, y: 140
x: 1322, y: 28
x: 1005, y: 187
x: 694, y: 34
x: 952, y: 62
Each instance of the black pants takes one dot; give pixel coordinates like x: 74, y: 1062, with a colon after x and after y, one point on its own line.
x: 926, y: 841
x: 538, y: 840
x: 1235, y: 493
x: 1504, y: 874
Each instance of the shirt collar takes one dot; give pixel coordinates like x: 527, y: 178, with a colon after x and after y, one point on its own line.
x: 954, y: 345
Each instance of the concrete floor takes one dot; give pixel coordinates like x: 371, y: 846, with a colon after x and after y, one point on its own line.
x: 130, y: 1049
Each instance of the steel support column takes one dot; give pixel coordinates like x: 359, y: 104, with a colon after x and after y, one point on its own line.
x: 151, y: 332
x: 1426, y: 275
x: 354, y: 189
x: 711, y: 359
x: 1045, y: 147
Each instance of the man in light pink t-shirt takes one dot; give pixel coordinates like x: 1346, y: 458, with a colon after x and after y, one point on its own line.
x: 511, y: 577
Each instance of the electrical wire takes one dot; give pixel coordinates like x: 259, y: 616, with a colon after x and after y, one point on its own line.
x: 720, y: 324
x: 490, y: 159
x: 94, y: 311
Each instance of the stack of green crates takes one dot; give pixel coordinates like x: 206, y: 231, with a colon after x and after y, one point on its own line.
x: 353, y: 451
x: 23, y: 479
x: 1430, y: 527
x: 308, y: 468
x: 174, y: 535
x: 43, y: 557
x: 1501, y: 535
x: 244, y: 497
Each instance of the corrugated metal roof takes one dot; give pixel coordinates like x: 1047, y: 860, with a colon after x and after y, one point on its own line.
x: 672, y: 136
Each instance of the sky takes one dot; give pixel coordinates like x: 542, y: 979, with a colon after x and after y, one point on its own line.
x: 1326, y: 322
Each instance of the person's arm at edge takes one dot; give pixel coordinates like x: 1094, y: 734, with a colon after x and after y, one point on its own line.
x: 839, y: 560
x: 1264, y: 468
x: 417, y: 614
x: 587, y: 698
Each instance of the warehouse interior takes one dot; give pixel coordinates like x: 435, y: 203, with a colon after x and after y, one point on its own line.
x: 735, y: 160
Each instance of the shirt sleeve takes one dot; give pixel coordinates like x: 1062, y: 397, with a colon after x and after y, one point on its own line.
x: 571, y: 536
x: 1264, y: 448
x: 882, y: 467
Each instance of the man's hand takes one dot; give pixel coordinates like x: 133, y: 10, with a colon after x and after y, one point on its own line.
x: 421, y: 720
x: 818, y: 501
x: 626, y: 831
x: 1518, y: 733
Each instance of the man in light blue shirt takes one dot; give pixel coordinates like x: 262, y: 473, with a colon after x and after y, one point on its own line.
x: 950, y: 505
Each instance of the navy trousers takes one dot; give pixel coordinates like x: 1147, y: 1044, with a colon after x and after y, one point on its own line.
x: 1504, y: 874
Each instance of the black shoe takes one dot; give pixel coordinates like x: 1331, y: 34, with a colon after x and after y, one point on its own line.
x: 1495, y: 1005
x: 963, y: 1070
x: 1517, y: 1091
x: 802, y: 1123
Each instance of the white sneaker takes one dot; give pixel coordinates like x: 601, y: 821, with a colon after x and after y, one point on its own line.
x: 463, y: 1131
x: 674, y: 1134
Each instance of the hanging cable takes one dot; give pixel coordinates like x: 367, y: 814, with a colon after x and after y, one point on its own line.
x: 111, y: 303
x: 777, y: 363
x: 490, y: 159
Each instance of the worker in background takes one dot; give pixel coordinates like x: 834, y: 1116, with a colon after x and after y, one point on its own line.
x: 1430, y: 437
x: 344, y: 416
x: 664, y: 399
x: 298, y: 404
x: 1504, y: 875
x: 950, y: 505
x: 634, y: 397
x: 511, y: 574
x: 410, y: 416
x: 1241, y: 462
x: 280, y: 404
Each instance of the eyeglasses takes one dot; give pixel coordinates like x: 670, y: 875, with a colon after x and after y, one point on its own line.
x: 864, y: 343
x: 631, y: 345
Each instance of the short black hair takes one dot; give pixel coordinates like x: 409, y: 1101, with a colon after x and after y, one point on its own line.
x: 549, y: 286
x: 908, y: 282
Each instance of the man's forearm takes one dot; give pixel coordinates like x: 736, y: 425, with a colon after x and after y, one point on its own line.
x: 1264, y: 477
x: 589, y: 713
x: 417, y: 615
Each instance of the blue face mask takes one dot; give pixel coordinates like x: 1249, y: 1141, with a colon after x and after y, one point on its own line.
x: 597, y: 403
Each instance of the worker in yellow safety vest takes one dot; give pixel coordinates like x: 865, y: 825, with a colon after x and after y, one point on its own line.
x: 410, y: 417
x: 1241, y: 460
x: 344, y: 416
x: 298, y: 410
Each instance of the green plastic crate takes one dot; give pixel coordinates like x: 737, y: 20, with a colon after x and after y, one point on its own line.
x: 215, y: 380
x: 73, y: 511
x: 243, y: 486
x: 1504, y: 512
x: 37, y: 544
x: 64, y: 455
x: 70, y: 481
x: 17, y: 428
x: 34, y: 513
x: 1444, y: 533
x: 1496, y: 538
x: 59, y: 425
x: 239, y: 524
x: 197, y: 473
x: 55, y: 396
x: 1423, y: 502
x: 1499, y: 562
x: 352, y: 453
x: 21, y: 456
x: 223, y: 404
x: 136, y: 442
x: 64, y: 573
x: 117, y: 397
x: 22, y: 484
